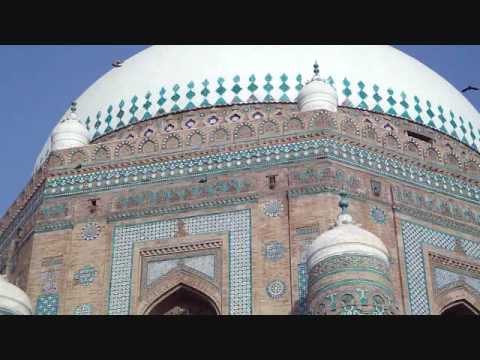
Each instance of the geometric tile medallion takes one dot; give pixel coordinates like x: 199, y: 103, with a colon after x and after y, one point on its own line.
x: 276, y: 289
x: 378, y: 215
x: 415, y: 237
x: 91, y: 231
x: 273, y: 208
x: 238, y: 226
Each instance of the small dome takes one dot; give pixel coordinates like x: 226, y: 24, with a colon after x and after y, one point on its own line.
x: 345, y: 238
x: 317, y: 95
x: 13, y: 301
x: 70, y: 132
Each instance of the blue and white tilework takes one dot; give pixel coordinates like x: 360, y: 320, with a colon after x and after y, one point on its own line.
x: 414, y: 238
x: 203, y: 264
x: 90, y: 231
x: 274, y: 251
x: 84, y: 309
x: 273, y: 208
x: 47, y: 304
x: 237, y: 224
x: 444, y: 277
x: 378, y: 216
x: 85, y: 276
x: 302, y: 287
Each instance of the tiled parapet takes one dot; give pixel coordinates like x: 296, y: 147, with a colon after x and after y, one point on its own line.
x: 226, y: 128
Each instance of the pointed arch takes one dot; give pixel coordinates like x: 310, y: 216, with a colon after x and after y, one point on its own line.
x: 460, y: 308
x: 459, y: 293
x: 175, y: 280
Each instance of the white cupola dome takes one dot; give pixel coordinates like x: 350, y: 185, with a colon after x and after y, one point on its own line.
x: 317, y: 95
x: 346, y: 238
x: 70, y: 132
x: 13, y: 301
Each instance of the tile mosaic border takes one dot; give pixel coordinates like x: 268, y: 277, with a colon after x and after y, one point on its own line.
x: 239, y: 226
x: 414, y: 237
x: 262, y: 157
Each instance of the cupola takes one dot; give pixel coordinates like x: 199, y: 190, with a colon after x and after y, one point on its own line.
x: 317, y: 94
x: 70, y: 132
x: 349, y: 271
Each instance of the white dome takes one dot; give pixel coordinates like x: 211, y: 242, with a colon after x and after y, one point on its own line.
x: 317, y: 95
x: 13, y: 301
x: 345, y: 238
x: 70, y: 133
x: 171, y: 78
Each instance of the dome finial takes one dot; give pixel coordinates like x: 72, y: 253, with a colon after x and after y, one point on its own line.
x: 317, y: 94
x: 343, y: 204
x: 73, y: 107
x: 316, y: 69
x: 344, y: 218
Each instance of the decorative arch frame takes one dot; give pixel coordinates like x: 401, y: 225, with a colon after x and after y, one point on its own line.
x: 263, y: 124
x: 239, y: 127
x: 459, y: 293
x: 145, y: 142
x: 77, y: 152
x: 348, y: 126
x: 369, y: 132
x: 56, y: 160
x: 124, y: 145
x: 396, y: 145
x: 97, y: 150
x: 417, y: 148
x: 171, y: 283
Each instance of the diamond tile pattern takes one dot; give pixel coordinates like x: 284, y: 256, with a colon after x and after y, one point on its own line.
x: 414, y: 238
x: 278, y: 88
x: 236, y: 224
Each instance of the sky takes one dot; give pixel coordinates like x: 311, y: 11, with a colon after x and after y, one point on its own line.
x: 38, y: 83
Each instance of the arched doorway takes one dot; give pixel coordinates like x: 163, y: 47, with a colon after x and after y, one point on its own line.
x: 184, y: 300
x: 460, y: 308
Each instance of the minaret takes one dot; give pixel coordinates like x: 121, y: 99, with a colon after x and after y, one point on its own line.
x: 70, y: 132
x: 317, y: 94
x: 349, y: 271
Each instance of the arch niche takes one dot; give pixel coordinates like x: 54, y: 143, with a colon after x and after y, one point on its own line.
x: 183, y: 300
x: 459, y: 300
x: 460, y: 308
